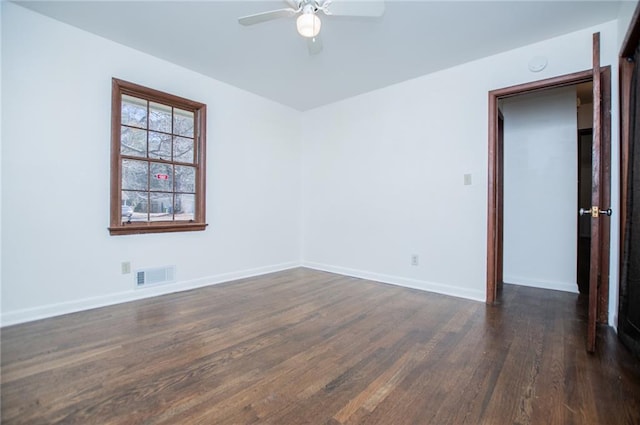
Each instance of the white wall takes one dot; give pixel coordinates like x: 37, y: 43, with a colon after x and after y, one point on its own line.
x: 384, y: 173
x: 625, y: 13
x: 1, y: 66
x: 540, y: 191
x: 57, y: 254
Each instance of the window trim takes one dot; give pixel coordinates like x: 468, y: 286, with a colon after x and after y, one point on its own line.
x: 117, y: 226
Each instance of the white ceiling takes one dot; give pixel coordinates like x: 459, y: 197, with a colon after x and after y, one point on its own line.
x: 270, y: 59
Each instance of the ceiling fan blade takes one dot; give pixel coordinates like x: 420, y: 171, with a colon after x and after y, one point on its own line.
x: 314, y: 44
x: 368, y: 8
x: 267, y: 16
x: 293, y: 3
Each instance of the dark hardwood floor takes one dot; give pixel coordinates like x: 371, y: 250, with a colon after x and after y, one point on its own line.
x: 308, y: 347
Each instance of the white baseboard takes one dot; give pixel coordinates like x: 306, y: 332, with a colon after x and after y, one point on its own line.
x: 542, y: 284
x: 455, y: 291
x: 51, y: 310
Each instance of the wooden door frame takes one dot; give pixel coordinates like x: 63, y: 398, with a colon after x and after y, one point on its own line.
x: 500, y: 201
x: 626, y: 67
x: 496, y: 183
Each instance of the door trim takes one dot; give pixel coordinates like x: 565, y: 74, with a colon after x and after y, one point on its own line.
x: 626, y: 67
x: 496, y: 167
x: 605, y: 197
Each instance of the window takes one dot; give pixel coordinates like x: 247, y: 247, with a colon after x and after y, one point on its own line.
x: 157, y: 161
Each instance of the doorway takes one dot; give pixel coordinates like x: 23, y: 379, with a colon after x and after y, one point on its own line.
x: 495, y: 226
x: 583, y: 261
x: 546, y: 146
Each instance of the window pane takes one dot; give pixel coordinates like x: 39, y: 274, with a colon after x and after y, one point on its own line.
x: 185, y: 179
x: 134, y: 205
x: 185, y: 207
x: 182, y: 149
x: 183, y: 123
x: 135, y: 174
x: 161, y: 177
x: 133, y: 111
x: 159, y: 146
x: 133, y: 142
x: 159, y: 117
x: 161, y: 207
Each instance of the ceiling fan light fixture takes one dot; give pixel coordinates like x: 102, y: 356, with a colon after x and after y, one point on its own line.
x: 308, y: 25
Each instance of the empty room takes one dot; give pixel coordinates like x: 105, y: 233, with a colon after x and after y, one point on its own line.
x: 320, y: 212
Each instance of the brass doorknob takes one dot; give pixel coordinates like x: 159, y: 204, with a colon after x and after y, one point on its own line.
x: 595, y: 211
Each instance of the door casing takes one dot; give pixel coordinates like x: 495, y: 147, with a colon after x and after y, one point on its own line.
x: 626, y: 67
x: 495, y: 217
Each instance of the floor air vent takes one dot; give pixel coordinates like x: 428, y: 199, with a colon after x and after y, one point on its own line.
x: 155, y: 276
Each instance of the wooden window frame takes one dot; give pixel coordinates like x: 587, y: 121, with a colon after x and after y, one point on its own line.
x: 117, y: 225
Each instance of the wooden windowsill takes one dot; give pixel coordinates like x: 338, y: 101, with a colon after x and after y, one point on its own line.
x: 138, y: 228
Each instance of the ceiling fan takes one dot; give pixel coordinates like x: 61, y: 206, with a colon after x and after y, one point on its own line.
x: 308, y: 22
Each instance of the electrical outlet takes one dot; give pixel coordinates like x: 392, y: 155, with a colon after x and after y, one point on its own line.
x: 126, y: 267
x: 415, y: 260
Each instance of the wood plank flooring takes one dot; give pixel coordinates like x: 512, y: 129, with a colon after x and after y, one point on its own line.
x: 309, y: 347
